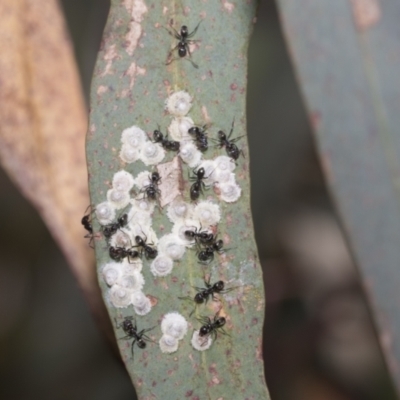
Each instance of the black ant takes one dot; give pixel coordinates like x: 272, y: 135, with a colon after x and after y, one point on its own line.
x: 152, y: 191
x: 130, y: 328
x: 86, y: 221
x: 230, y: 146
x: 198, y: 186
x: 149, y: 252
x: 118, y: 253
x: 167, y: 144
x: 200, y: 135
x: 206, y: 255
x: 183, y: 45
x: 202, y: 237
x: 212, y: 326
x: 204, y: 294
x: 111, y: 229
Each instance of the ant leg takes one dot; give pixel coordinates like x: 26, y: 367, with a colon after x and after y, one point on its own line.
x: 148, y: 329
x: 185, y: 298
x: 233, y: 124
x: 88, y: 207
x: 190, y: 56
x: 169, y: 59
x: 216, y: 299
x: 191, y: 34
x: 194, y: 309
x: 222, y: 330
x: 132, y: 345
x: 174, y: 34
x: 204, y: 320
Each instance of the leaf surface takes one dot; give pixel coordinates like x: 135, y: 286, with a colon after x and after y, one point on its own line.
x: 130, y: 86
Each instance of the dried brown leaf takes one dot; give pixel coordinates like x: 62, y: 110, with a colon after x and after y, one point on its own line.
x: 43, y: 124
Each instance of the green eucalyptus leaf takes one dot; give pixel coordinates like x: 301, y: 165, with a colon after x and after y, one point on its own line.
x: 130, y: 86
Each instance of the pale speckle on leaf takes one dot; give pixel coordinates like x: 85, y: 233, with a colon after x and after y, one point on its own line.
x: 366, y: 13
x: 205, y: 114
x: 228, y: 6
x: 101, y: 89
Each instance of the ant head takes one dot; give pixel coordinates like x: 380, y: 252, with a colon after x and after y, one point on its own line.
x: 199, y: 298
x: 158, y: 136
x: 127, y: 322
x: 194, y: 130
x: 139, y: 240
x: 155, y: 177
x: 123, y: 221
x: 190, y: 234
x: 219, y: 285
x: 141, y: 343
x: 221, y: 135
x: 200, y: 173
x: 220, y: 322
x: 218, y: 244
x: 184, y: 31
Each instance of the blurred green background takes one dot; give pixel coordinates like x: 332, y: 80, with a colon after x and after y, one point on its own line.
x: 319, y: 340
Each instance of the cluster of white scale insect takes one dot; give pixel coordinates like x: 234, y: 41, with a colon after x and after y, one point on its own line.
x: 124, y: 279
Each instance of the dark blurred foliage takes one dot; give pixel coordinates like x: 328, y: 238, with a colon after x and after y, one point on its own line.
x: 319, y: 340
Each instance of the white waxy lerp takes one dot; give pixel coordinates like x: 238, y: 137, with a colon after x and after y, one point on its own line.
x: 118, y: 199
x: 128, y: 267
x: 179, y: 103
x: 111, y: 272
x: 119, y: 296
x: 105, y: 213
x: 230, y: 191
x: 175, y: 325
x: 224, y: 176
x: 122, y: 181
x: 190, y: 154
x: 138, y: 217
x: 144, y: 205
x: 201, y: 343
x: 179, y: 127
x: 143, y: 179
x: 121, y: 238
x: 152, y: 153
x: 207, y: 213
x: 132, y: 282
x: 129, y: 154
x: 141, y: 303
x: 224, y: 163
x: 134, y: 136
x: 179, y: 210
x: 168, y: 344
x: 162, y: 265
x: 171, y: 246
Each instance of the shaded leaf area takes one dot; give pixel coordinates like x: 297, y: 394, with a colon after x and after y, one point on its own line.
x: 130, y: 85
x: 42, y: 129
x: 347, y: 55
